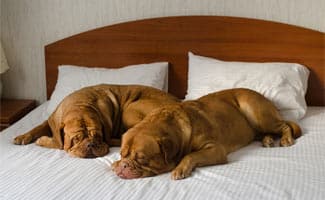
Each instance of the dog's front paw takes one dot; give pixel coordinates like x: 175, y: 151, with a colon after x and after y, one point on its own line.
x: 23, y: 139
x: 181, y: 173
x: 44, y: 141
x: 286, y: 141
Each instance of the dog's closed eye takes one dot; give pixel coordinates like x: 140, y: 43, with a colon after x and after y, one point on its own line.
x: 142, y: 161
x: 77, y: 138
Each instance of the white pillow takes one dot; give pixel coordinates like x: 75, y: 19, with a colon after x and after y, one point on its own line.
x: 72, y: 78
x: 285, y: 84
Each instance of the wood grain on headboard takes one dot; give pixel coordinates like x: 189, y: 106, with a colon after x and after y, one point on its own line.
x: 170, y: 39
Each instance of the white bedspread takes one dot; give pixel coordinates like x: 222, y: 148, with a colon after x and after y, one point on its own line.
x: 254, y: 172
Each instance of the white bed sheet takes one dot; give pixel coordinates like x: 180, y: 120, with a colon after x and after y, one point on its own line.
x: 297, y: 172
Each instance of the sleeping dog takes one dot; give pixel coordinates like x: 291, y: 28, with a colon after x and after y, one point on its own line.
x: 202, y: 132
x: 87, y: 121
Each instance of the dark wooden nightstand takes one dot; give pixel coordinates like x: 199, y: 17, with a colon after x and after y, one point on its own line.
x: 11, y: 110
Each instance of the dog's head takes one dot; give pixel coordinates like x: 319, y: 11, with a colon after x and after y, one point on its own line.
x: 143, y: 156
x: 81, y: 133
x: 152, y: 147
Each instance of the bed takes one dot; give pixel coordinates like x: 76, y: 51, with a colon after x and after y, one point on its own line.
x: 296, y: 172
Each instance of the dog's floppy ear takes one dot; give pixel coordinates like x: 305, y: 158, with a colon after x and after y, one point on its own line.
x: 57, y: 126
x: 168, y: 148
x: 184, y: 126
x: 125, y: 151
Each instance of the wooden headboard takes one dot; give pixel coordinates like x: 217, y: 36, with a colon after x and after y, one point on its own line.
x: 170, y: 39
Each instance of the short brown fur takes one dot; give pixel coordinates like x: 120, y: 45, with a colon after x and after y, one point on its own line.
x: 87, y: 121
x: 192, y: 134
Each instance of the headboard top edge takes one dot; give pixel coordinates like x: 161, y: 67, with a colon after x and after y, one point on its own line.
x: 119, y: 50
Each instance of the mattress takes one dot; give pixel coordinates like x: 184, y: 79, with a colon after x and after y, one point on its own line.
x: 253, y: 172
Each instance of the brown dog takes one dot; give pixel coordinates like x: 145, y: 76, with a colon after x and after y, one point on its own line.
x: 191, y: 134
x: 88, y: 120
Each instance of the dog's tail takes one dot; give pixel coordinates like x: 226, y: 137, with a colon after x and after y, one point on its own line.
x: 295, y: 129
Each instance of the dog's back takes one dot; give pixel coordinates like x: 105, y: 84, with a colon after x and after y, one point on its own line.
x: 260, y: 112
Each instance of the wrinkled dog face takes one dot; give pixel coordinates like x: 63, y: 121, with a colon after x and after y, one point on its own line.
x: 142, y: 157
x: 83, y: 136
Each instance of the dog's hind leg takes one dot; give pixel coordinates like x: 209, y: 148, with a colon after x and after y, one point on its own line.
x: 289, y: 131
x: 268, y: 141
x: 37, y: 132
x: 266, y: 119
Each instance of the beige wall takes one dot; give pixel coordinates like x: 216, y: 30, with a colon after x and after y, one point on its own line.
x: 28, y: 25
